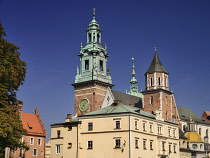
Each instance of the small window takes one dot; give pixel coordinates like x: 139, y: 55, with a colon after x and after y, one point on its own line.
x: 39, y: 141
x: 151, y: 100
x: 89, y: 37
x: 58, y: 133
x: 136, y: 124
x: 159, y: 130
x: 90, y: 144
x: 144, y: 144
x: 86, y: 64
x: 136, y: 143
x: 117, y: 124
x: 101, y: 65
x: 163, y: 146
x: 159, y: 81
x: 98, y: 38
x: 151, y: 145
x: 144, y: 126
x: 70, y: 128
x: 174, y: 148
x: 58, y: 149
x: 169, y: 148
x: 207, y: 132
x: 90, y: 126
x: 31, y: 141
x: 174, y: 132
x: 35, y: 152
x: 151, y: 84
x: 166, y: 100
x: 169, y: 132
x: 117, y: 143
x: 200, y: 131
x: 150, y: 128
x: 166, y: 115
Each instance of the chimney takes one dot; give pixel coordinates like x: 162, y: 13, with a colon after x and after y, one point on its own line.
x: 115, y: 102
x: 20, y: 106
x: 68, y: 118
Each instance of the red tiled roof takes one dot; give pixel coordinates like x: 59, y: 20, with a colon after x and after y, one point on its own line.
x: 31, y: 124
x: 207, y: 113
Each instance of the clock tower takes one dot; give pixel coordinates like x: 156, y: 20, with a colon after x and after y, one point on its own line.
x: 92, y: 78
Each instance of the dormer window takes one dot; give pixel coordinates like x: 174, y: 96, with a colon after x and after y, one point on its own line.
x: 86, y: 64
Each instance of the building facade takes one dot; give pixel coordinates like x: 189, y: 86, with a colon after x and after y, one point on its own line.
x: 113, y: 124
x: 35, y: 137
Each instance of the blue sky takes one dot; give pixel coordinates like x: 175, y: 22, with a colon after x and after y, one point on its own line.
x: 49, y: 34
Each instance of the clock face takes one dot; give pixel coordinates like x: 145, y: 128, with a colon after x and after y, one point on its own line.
x: 84, y: 105
x: 194, y: 146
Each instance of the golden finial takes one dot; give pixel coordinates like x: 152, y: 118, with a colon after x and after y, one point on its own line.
x: 133, y: 72
x: 133, y: 62
x: 155, y: 49
x: 94, y: 12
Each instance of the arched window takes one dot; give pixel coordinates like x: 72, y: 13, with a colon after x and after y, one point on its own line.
x: 201, y: 146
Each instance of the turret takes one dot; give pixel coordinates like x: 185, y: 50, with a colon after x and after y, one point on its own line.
x: 134, y: 83
x: 156, y: 76
x: 93, y: 57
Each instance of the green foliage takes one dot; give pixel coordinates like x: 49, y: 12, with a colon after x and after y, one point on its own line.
x: 12, y: 75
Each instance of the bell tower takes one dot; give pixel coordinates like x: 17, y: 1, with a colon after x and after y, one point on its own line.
x: 157, y: 98
x: 92, y: 78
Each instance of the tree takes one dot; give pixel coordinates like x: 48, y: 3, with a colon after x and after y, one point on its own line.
x: 12, y: 75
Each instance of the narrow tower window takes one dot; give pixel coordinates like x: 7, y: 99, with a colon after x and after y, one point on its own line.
x: 89, y: 37
x: 151, y: 100
x: 159, y: 83
x: 94, y: 38
x: 86, y: 64
x: 166, y: 100
x: 98, y: 38
x: 101, y: 65
x: 151, y: 81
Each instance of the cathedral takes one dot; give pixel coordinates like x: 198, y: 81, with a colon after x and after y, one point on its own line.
x: 108, y: 123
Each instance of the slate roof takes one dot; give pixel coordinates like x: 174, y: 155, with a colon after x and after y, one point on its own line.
x: 120, y: 109
x: 127, y: 99
x: 32, y: 125
x: 156, y: 65
x: 184, y: 114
